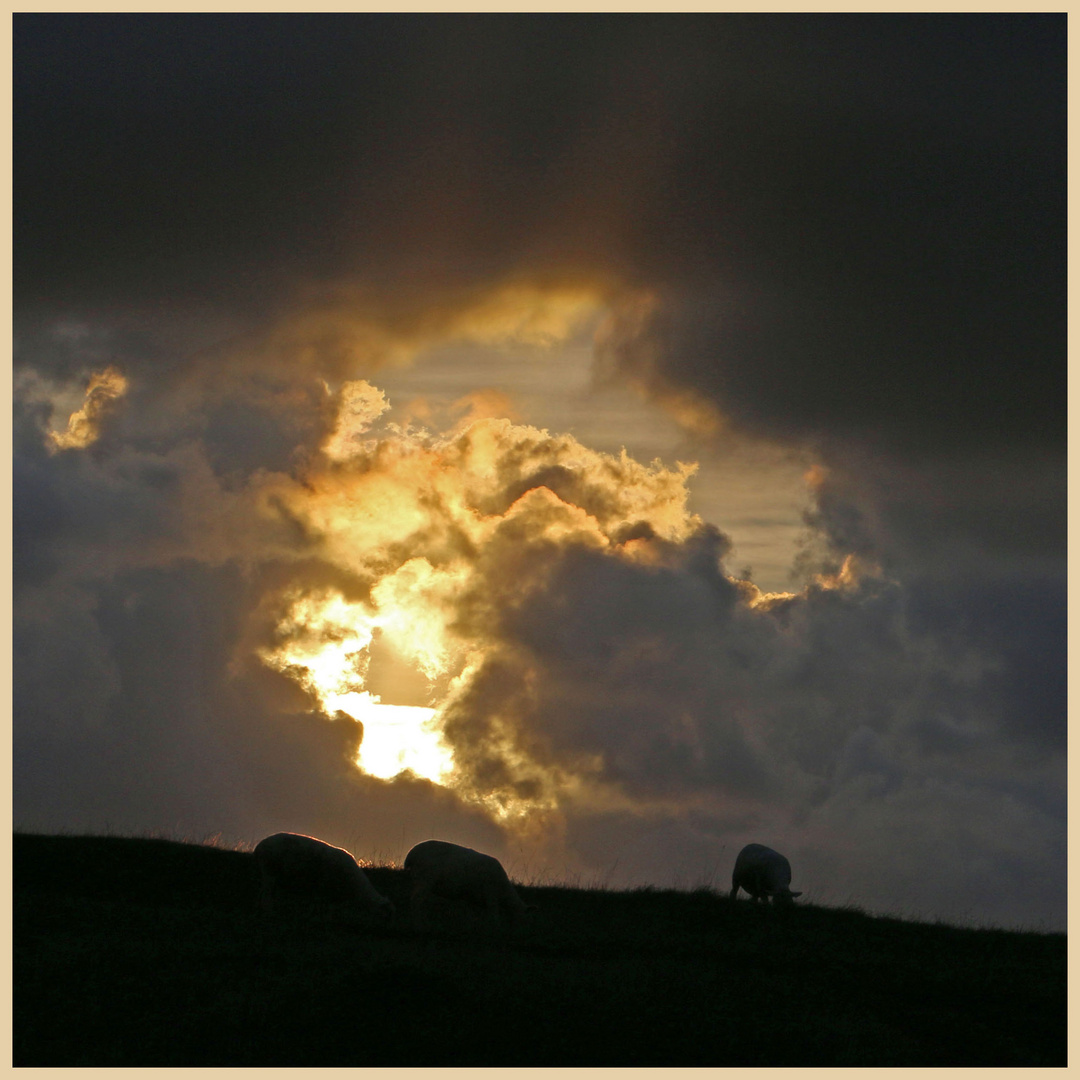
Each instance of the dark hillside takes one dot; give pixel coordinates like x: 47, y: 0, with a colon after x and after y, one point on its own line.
x: 132, y: 952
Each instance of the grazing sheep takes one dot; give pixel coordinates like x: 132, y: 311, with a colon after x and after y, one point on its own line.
x: 291, y: 864
x: 763, y: 873
x: 463, y: 876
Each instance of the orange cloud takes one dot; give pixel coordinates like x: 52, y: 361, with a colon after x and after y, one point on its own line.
x: 83, y: 426
x: 447, y: 532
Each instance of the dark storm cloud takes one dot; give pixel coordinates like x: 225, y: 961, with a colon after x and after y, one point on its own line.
x: 853, y: 222
x: 826, y: 719
x: 842, y: 233
x: 851, y: 226
x: 659, y: 677
x: 634, y: 669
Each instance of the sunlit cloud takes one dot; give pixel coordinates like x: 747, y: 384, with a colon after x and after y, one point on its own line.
x: 348, y: 330
x: 83, y: 425
x: 449, y: 534
x: 476, y: 555
x: 361, y: 404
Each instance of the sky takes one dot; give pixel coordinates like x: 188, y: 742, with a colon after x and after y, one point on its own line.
x: 604, y: 441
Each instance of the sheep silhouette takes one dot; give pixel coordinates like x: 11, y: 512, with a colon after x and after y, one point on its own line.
x: 439, y: 870
x: 765, y: 874
x: 293, y: 865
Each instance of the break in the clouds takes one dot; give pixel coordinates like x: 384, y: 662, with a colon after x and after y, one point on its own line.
x: 317, y: 526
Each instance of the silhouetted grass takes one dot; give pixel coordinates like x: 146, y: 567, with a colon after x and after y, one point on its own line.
x: 132, y: 952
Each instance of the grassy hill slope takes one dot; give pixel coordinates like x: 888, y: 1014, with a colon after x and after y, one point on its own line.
x: 135, y: 952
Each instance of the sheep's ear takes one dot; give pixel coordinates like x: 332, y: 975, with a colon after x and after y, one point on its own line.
x: 796, y: 894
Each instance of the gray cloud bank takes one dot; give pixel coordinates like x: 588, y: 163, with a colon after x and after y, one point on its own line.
x: 844, y: 234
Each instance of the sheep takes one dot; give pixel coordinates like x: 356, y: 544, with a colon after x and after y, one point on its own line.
x: 764, y: 874
x: 463, y: 876
x: 291, y: 864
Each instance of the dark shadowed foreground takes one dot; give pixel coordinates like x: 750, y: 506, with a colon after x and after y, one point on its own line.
x: 132, y: 952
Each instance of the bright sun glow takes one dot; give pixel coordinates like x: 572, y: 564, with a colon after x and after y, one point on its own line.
x: 326, y: 645
x: 396, y: 738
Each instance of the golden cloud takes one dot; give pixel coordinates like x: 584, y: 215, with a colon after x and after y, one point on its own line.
x: 83, y: 426
x: 447, y: 533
